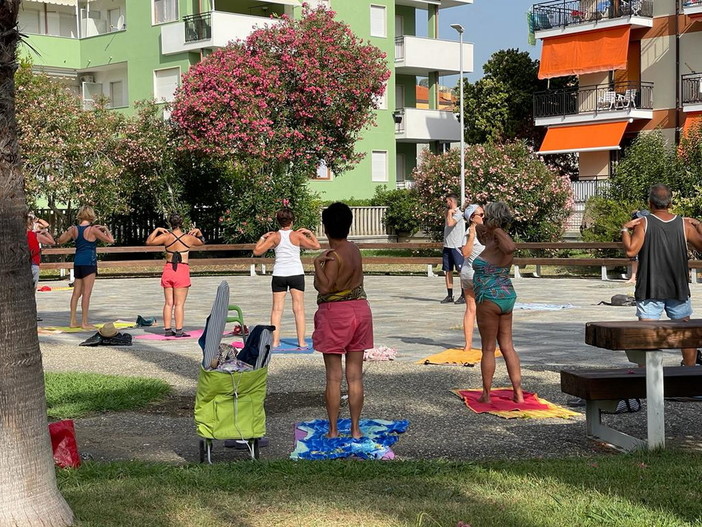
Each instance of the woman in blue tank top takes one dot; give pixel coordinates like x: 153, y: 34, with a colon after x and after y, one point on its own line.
x: 85, y: 235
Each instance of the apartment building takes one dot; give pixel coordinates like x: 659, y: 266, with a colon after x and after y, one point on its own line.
x: 639, y: 67
x: 130, y: 50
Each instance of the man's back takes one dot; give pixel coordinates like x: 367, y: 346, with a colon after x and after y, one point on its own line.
x: 663, y: 268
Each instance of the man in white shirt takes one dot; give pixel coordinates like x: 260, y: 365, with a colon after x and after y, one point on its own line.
x: 454, y: 237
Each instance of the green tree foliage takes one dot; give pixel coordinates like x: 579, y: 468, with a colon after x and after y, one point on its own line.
x: 511, y: 172
x: 403, y: 209
x: 604, y: 218
x: 253, y: 194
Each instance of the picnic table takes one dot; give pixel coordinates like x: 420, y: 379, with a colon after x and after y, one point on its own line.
x: 643, y: 342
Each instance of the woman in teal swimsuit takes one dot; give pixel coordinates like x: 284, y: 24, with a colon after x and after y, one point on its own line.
x: 495, y: 297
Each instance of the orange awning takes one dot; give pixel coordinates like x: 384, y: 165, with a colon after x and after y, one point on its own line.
x: 583, y: 138
x: 589, y: 52
x: 692, y: 120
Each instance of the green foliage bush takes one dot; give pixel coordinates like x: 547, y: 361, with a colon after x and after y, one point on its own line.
x: 510, y: 172
x: 253, y: 193
x: 403, y: 209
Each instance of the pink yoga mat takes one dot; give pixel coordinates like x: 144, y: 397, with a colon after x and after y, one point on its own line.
x: 501, y: 401
x: 194, y: 334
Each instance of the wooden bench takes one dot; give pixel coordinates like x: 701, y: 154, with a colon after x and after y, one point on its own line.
x: 642, y: 342
x: 603, y: 389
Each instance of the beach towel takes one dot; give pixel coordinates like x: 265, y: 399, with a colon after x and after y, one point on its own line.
x: 378, y: 436
x: 46, y: 289
x: 194, y: 334
x: 502, y: 405
x: 533, y: 306
x: 456, y: 357
x: 289, y: 346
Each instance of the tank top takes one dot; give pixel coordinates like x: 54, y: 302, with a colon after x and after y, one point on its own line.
x: 86, y: 252
x: 663, y: 272
x: 287, y: 257
x: 34, y: 249
x: 467, y: 267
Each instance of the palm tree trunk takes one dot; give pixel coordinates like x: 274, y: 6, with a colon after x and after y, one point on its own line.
x: 28, y: 492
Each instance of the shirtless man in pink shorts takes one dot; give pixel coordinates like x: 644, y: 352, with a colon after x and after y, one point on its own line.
x: 343, y: 323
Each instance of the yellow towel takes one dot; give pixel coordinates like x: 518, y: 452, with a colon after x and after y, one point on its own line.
x: 456, y: 356
x: 119, y: 324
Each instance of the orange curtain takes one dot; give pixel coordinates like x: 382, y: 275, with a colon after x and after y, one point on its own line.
x: 692, y: 120
x: 589, y: 52
x: 583, y: 137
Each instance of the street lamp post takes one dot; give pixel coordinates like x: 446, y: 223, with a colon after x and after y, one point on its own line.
x: 459, y: 29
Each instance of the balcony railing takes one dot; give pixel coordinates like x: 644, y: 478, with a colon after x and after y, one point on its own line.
x: 198, y: 27
x: 691, y: 3
x: 692, y: 88
x: 563, y: 13
x: 594, y: 99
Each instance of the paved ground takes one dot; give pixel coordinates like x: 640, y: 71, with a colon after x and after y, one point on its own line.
x: 409, y: 318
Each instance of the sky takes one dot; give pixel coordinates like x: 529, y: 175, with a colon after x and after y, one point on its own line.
x: 490, y: 25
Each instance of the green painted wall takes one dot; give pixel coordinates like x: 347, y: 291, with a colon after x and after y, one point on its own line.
x: 59, y: 52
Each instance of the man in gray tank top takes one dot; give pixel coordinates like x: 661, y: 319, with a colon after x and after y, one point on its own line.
x: 660, y: 241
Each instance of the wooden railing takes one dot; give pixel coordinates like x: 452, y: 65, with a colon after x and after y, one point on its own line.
x: 201, y: 258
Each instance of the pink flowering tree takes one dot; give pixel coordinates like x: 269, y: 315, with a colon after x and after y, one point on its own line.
x: 510, y: 172
x: 295, y: 94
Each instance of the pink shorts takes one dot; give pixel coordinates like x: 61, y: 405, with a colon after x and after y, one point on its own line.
x: 340, y: 327
x: 176, y: 279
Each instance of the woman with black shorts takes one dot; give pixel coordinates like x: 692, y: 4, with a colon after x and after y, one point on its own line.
x: 86, y: 235
x: 287, y: 270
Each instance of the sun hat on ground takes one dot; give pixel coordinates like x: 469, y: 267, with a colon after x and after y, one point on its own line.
x: 108, y: 330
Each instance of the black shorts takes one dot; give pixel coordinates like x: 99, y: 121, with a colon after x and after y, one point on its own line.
x: 281, y: 284
x: 81, y: 271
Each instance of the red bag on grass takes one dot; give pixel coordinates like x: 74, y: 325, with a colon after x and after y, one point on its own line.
x: 63, y: 443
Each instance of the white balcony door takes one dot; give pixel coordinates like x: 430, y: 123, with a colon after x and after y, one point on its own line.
x: 399, y: 32
x: 400, y: 168
x: 117, y: 94
x: 399, y: 96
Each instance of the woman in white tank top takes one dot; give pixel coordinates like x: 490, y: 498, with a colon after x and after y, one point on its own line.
x: 288, y: 273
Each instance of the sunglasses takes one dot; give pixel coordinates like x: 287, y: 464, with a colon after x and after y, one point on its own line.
x: 482, y: 214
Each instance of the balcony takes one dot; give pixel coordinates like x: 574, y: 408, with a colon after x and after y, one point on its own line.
x: 424, y: 4
x: 692, y: 7
x: 208, y: 30
x: 415, y: 125
x: 561, y: 17
x: 418, y: 56
x: 691, y: 85
x: 607, y: 102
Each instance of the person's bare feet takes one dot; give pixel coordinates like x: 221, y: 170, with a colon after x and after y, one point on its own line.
x: 302, y: 345
x: 88, y: 326
x: 485, y: 398
x: 356, y: 433
x: 331, y: 435
x: 275, y: 345
x: 518, y: 396
x: 466, y: 349
x: 631, y: 281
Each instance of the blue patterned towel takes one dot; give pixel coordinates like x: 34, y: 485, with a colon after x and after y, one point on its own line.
x: 378, y: 436
x: 542, y: 307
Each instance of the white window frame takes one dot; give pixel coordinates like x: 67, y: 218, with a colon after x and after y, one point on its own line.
x: 384, y: 176
x: 153, y: 14
x: 378, y: 8
x: 163, y: 100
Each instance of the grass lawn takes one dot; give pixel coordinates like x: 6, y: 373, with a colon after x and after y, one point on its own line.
x: 641, y: 489
x: 73, y: 395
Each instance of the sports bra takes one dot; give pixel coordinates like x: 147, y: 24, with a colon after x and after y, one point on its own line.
x: 177, y: 258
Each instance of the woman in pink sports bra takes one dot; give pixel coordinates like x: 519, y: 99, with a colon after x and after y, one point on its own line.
x: 175, y: 278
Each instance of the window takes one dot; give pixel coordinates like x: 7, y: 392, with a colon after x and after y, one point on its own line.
x: 165, y: 11
x: 378, y: 26
x: 379, y: 165
x: 29, y: 21
x: 117, y: 94
x: 382, y: 100
x: 165, y: 84
x: 323, y: 171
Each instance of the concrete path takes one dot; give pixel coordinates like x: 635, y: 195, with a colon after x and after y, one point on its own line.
x: 408, y: 317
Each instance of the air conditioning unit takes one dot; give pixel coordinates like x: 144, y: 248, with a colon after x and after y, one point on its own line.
x: 87, y: 77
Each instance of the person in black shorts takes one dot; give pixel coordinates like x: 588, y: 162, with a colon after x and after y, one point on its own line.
x: 287, y: 270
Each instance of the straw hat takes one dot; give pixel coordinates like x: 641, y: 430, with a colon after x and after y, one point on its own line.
x: 108, y: 330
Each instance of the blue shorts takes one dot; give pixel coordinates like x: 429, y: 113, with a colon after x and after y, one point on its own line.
x: 653, y: 309
x: 452, y: 259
